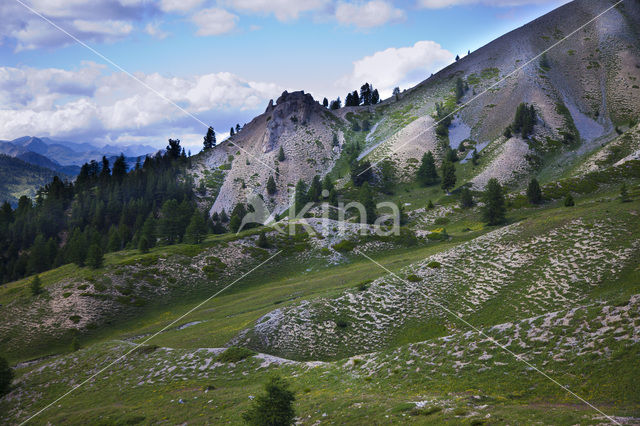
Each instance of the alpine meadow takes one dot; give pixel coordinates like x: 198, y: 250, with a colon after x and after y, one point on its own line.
x: 435, y: 238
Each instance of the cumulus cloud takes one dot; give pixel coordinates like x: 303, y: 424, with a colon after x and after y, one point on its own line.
x: 89, y: 20
x: 179, y: 5
x: 154, y: 30
x: 58, y: 103
x: 439, y: 4
x: 283, y: 10
x: 369, y: 14
x: 214, y: 21
x: 403, y: 66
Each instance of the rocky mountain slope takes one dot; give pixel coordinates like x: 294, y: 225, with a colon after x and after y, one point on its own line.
x: 583, y: 88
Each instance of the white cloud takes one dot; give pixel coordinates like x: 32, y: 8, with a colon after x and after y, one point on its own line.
x: 439, y: 4
x: 107, y: 28
x: 154, y: 30
x: 370, y: 14
x: 403, y: 66
x: 179, y: 5
x: 283, y: 10
x: 58, y: 103
x: 214, y: 21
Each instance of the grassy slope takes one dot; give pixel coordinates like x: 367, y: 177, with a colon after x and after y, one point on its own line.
x: 396, y: 377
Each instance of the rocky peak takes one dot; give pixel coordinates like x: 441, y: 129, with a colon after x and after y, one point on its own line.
x: 290, y: 110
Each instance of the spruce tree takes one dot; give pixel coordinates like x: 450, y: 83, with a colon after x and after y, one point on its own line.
x: 534, y: 193
x: 327, y: 183
x: 143, y: 244
x: 375, y: 97
x: 365, y: 197
x: 209, y: 139
x: 300, y: 196
x: 427, y: 173
x: 315, y: 190
x: 459, y: 89
x: 387, y: 176
x: 119, y: 168
x: 35, y: 286
x: 494, y: 211
x: 466, y: 198
x: 452, y: 155
x: 6, y: 377
x: 361, y: 172
x: 95, y: 257
x: 624, y: 194
x: 271, y: 186
x: 448, y: 176
x: 325, y: 102
x: 197, y: 229
x: 430, y: 205
x: 281, y: 154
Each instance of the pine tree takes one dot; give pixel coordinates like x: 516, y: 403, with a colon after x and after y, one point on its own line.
x: 430, y: 205
x: 35, y: 286
x: 143, y: 244
x: 149, y: 231
x: 238, y: 128
x: 624, y: 194
x: 95, y: 257
x: 315, y: 190
x: 325, y: 102
x: 466, y: 198
x: 119, y: 168
x: 494, y: 210
x: 75, y: 344
x: 452, y: 155
x: 209, y: 139
x: 174, y: 149
x: 197, y: 229
x: 38, y: 257
x: 334, y: 141
x: 475, y: 157
x: 6, y: 377
x: 231, y: 132
x: 534, y: 193
x: 457, y: 58
x: 105, y: 172
x: 375, y: 97
x: 281, y: 154
x: 275, y: 407
x: 427, y: 173
x: 568, y: 201
x: 361, y: 172
x: 459, y: 89
x: 271, y: 186
x: 365, y: 94
x: 337, y: 104
x: 262, y: 241
x: 223, y: 216
x: 387, y: 176
x: 396, y: 93
x: 448, y: 176
x: 327, y: 183
x: 169, y: 226
x: 300, y: 196
x: 365, y: 197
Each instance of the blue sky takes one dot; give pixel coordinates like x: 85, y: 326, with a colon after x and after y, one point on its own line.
x: 220, y: 60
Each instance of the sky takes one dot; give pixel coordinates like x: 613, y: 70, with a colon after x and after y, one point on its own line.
x: 218, y: 62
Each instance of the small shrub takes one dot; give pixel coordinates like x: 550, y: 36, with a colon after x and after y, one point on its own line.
x: 234, y: 354
x: 568, y: 201
x: 434, y: 264
x: 425, y: 411
x: 413, y: 278
x: 364, y: 285
x: 75, y: 318
x: 344, y: 246
x: 145, y: 349
x: 441, y: 221
x: 342, y: 323
x: 6, y: 376
x: 274, y: 407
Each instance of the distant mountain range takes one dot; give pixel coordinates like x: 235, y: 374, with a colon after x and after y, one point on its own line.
x: 66, y: 157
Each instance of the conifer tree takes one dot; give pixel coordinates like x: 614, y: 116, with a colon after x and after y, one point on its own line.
x: 262, y: 241
x: 375, y: 97
x: 315, y: 190
x: 534, y: 193
x: 466, y: 198
x: 448, y: 176
x: 143, y: 244
x: 300, y: 196
x: 494, y: 211
x: 231, y: 131
x: 95, y: 257
x: 475, y: 157
x: 325, y: 102
x: 427, y: 173
x: 387, y: 176
x: 209, y: 139
x: 365, y: 197
x: 197, y: 229
x: 568, y: 201
x: 6, y: 377
x: 271, y: 186
x: 430, y: 205
x: 624, y: 194
x: 365, y: 94
x: 281, y: 155
x: 35, y: 286
x: 459, y: 89
x: 105, y: 172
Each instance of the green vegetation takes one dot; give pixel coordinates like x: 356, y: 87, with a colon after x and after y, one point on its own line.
x: 274, y: 407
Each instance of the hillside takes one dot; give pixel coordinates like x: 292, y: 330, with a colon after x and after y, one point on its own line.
x: 461, y: 317
x: 18, y: 178
x: 586, y: 88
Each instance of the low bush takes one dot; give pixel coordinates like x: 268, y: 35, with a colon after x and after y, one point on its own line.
x: 234, y: 354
